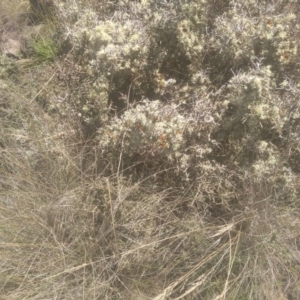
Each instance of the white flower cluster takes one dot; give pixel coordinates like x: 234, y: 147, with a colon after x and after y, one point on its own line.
x: 112, y: 45
x: 108, y: 49
x: 154, y: 131
x: 191, y: 28
x: 244, y: 37
x: 149, y: 127
x: 269, y: 159
x: 255, y: 98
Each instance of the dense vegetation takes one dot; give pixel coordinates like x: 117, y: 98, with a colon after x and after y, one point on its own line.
x: 150, y: 149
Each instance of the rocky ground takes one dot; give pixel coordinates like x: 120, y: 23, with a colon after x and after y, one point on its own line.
x: 19, y: 29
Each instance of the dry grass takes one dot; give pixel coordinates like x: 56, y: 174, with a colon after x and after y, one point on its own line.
x: 13, y: 8
x: 68, y: 235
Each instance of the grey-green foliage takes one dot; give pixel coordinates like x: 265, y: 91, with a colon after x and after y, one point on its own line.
x: 160, y: 136
x: 243, y: 38
x: 140, y: 51
x: 214, y: 81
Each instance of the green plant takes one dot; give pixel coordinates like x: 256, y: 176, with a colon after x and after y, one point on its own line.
x: 45, y: 49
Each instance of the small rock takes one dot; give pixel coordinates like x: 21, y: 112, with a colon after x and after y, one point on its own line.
x: 11, y: 48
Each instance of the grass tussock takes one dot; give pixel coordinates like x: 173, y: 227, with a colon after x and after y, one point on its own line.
x: 151, y: 171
